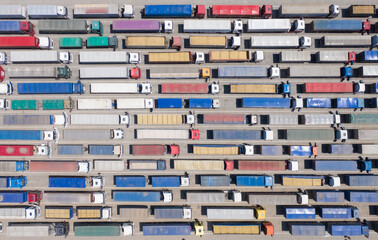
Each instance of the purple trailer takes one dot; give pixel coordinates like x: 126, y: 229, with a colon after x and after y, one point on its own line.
x: 136, y: 26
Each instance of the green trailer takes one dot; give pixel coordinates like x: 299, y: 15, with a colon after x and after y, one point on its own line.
x: 102, y: 42
x: 309, y: 134
x: 70, y: 42
x: 97, y: 230
x: 24, y: 105
x: 56, y: 104
x: 355, y: 118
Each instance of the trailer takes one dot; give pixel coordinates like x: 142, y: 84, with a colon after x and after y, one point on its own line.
x: 167, y: 11
x: 154, y: 150
x: 24, y: 150
x: 174, y: 73
x: 344, y: 25
x: 207, y: 26
x: 142, y: 196
x: 361, y: 118
x: 59, y: 166
x: 268, y: 150
x: 94, y: 104
x: 368, y: 71
x: 232, y: 228
x: 21, y: 42
x: 170, y: 57
x: 40, y: 57
x: 369, y: 56
x: 70, y: 149
x: 265, y: 165
x: 103, y: 73
x: 58, y: 212
x: 361, y: 10
x: 303, y: 151
x: 71, y: 42
x: 166, y: 229
x: 222, y: 150
x: 295, y: 56
x: 215, y: 181
x: 96, y: 11
x: 339, y: 212
x: 164, y: 119
x: 67, y: 182
x: 71, y: 134
x: 16, y: 27
x: 314, y: 71
x: 103, y: 57
x: 254, y: 181
x: 27, y: 135
x: 166, y: 134
x: 242, y: 72
x: 120, y: 88
x: 268, y: 25
x: 207, y: 42
x: 202, y: 165
x: 339, y: 87
x: 134, y: 103
x: 102, y: 42
x: 229, y: 56
x: 169, y: 103
x: 361, y: 196
x: 69, y: 27
x: 105, y: 150
x: 276, y: 198
x: 109, y: 165
x: 241, y: 135
x: 99, y: 119
x: 320, y: 119
x: 203, y: 103
x: 189, y: 88
x: 14, y: 166
x: 302, y: 180
x: 299, y: 213
x: 136, y: 26
x: 39, y: 72
x: 74, y: 197
x: 12, y: 12
x: 318, y: 103
x: 172, y: 212
x: 233, y: 213
x: 135, y: 212
x: 340, y: 148
x: 241, y: 88
x: 310, y: 10
x: 329, y: 196
x: 37, y: 229
x: 361, y: 180
x: 169, y: 181
x: 47, y: 11
x: 146, y: 42
x: 335, y: 56
x: 277, y: 119
x: 83, y: 229
x: 348, y: 229
x: 34, y: 120
x: 146, y: 164
x: 227, y: 118
x: 265, y: 103
x: 309, y: 134
x: 346, y: 41
x: 235, y: 11
x: 50, y: 88
x: 307, y: 229
x: 13, y: 182
x: 280, y: 42
x: 205, y: 197
x: 130, y: 181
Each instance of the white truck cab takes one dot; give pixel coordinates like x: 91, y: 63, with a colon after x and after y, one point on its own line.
x: 128, y: 11
x: 299, y: 25
x: 342, y: 134
x: 98, y: 197
x: 292, y: 165
x: 187, y: 212
x: 258, y: 56
x: 190, y: 119
x: 268, y: 135
x: 42, y: 150
x: 238, y: 26
x: 106, y: 212
x: 46, y: 43
x: 128, y: 229
x: 83, y: 166
x: 98, y: 182
x: 216, y: 103
x: 146, y: 88
x: 117, y: 134
x: 236, y: 196
x: 305, y: 42
x: 214, y: 88
x: 297, y: 103
x: 302, y: 198
x: 168, y: 26
x: 167, y: 196
x: 3, y: 58
x: 4, y: 104
x: 248, y: 149
x: 134, y: 58
x: 62, y: 11
x: 334, y: 181
x: 6, y: 88
x: 66, y: 57
x: 48, y: 135
x: 274, y: 72
x: 334, y: 10
x: 200, y: 57
x: 359, y: 87
x: 184, y: 181
x: 33, y: 212
x: 236, y: 42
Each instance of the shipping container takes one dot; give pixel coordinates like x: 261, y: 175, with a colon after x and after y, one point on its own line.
x: 229, y: 56
x: 302, y: 180
x: 166, y: 134
x: 232, y: 228
x: 275, y: 119
x: 13, y: 197
x: 207, y: 42
x: 58, y: 212
x: 94, y: 104
x: 314, y: 72
x: 34, y: 120
x: 167, y: 11
x: 335, y: 56
x: 67, y: 182
x: 307, y: 229
x: 135, y: 26
x: 308, y: 10
x: 107, y: 57
x: 99, y: 119
x: 59, y: 166
x: 21, y: 42
x: 165, y: 181
x: 361, y: 10
x: 260, y: 88
x: 350, y: 103
x: 27, y: 135
x: 341, y: 165
x: 102, y: 42
x: 165, y: 229
x: 203, y: 103
x: 70, y: 149
x: 135, y: 212
x: 205, y: 197
x: 265, y: 102
x: 105, y: 150
x: 199, y: 165
x: 146, y: 42
x: 242, y: 72
x: 104, y: 73
x: 276, y: 198
x: 36, y: 230
x: 362, y: 118
x: 207, y: 26
x: 93, y: 212
x: 23, y: 150
x: 369, y: 56
x: 50, y: 88
x: 368, y: 71
x: 152, y: 150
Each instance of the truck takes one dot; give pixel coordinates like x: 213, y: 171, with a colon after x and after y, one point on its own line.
x: 339, y: 148
x: 134, y: 103
x: 174, y: 73
x: 276, y: 119
x: 13, y: 182
x: 167, y: 11
x: 56, y: 104
x: 269, y: 25
x: 226, y: 118
x: 59, y: 166
x: 239, y: 11
x: 167, y: 134
x: 146, y: 42
x: 254, y: 181
x: 16, y: 27
x: 99, y: 10
x: 320, y: 119
x: 164, y: 119
x: 120, y: 88
x: 361, y: 180
x: 28, y: 135
x: 277, y: 198
x: 103, y: 229
x: 95, y: 104
x: 229, y: 213
x: 109, y: 165
x: 189, y: 88
x: 102, y: 42
x: 264, y: 165
x: 241, y: 88
x: 14, y: 166
x: 334, y: 87
x: 335, y: 56
x: 130, y: 181
x: 313, y: 71
x: 103, y: 57
x: 201, y: 165
x: 299, y: 213
x: 205, y: 197
x: 99, y: 119
x: 31, y: 212
x: 172, y: 212
x: 24, y: 150
x: 40, y: 57
x: 346, y: 41
x: 22, y: 42
x: 207, y: 26
x: 361, y: 118
x: 154, y: 150
x: 74, y: 197
x: 232, y: 228
x: 170, y: 57
x: 361, y: 196
x: 222, y: 149
x: 47, y: 11
x: 329, y: 196
x: 20, y: 197
x: 34, y: 120
x: 146, y: 164
x: 5, y: 88
x: 220, y: 134
x: 203, y: 103
x: 99, y: 134
x: 360, y: 134
x: 311, y: 10
x: 229, y: 56
x: 280, y: 42
x: 348, y: 229
x: 242, y: 72
x: 69, y: 27
x: 368, y: 71
x: 165, y: 229
x: 40, y: 72
x: 58, y: 212
x: 169, y: 181
x: 75, y: 182
x: 50, y: 88
x: 266, y: 103
x: 361, y: 10
x: 71, y: 42
x: 345, y: 25
x: 169, y: 103
x: 136, y: 26
x: 37, y: 229
x: 339, y: 212
x: 13, y: 12
x: 308, y: 134
x: 295, y: 56
x: 215, y: 180
x: 142, y: 196
x: 307, y: 229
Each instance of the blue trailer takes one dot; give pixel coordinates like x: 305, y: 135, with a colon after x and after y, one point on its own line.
x: 162, y: 229
x: 215, y: 181
x: 50, y: 88
x: 318, y: 103
x: 300, y: 151
x: 16, y: 27
x: 339, y: 212
x: 70, y: 149
x: 242, y: 72
x: 369, y: 56
x: 165, y: 181
x: 237, y: 134
x: 13, y: 182
x: 300, y: 213
x: 200, y: 103
x: 270, y: 150
x: 254, y: 181
x: 168, y: 11
x: 101, y: 150
x: 350, y: 103
x: 169, y: 103
x: 67, y: 182
x: 342, y: 165
x: 345, y: 25
x: 26, y: 135
x: 307, y: 229
x: 130, y: 181
x: 351, y: 229
x: 340, y: 149
x: 137, y: 196
x: 329, y: 196
x: 265, y: 102
x: 13, y: 197
x: 362, y: 196
x: 361, y: 180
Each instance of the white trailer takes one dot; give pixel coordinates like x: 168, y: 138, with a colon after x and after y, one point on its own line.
x: 114, y: 88
x: 103, y: 73
x: 295, y: 56
x: 95, y: 104
x: 277, y: 119
x: 230, y: 213
x: 162, y: 134
x: 269, y: 25
x: 40, y: 57
x: 34, y: 72
x: 346, y: 41
x: 280, y: 42
x: 134, y: 103
x: 369, y: 149
x: 207, y: 26
x: 12, y: 11
x: 103, y: 57
x: 47, y: 11
x: 109, y: 165
x: 302, y: 71
x: 320, y: 119
x: 30, y: 230
x: 20, y: 212
x: 99, y: 119
x: 369, y: 71
x: 96, y: 11
x: 332, y: 56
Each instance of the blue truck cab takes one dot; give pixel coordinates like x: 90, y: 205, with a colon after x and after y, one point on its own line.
x: 284, y: 88
x: 13, y: 182
x: 346, y: 72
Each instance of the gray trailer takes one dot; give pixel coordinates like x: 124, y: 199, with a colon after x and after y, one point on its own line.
x: 174, y: 73
x: 74, y: 197
x: 207, y: 26
x: 47, y: 11
x: 309, y: 134
x: 332, y: 56
x: 272, y: 198
x: 39, y: 72
x: 368, y: 134
x: 302, y: 71
x: 12, y: 12
x: 94, y: 135
x: 368, y: 149
x: 103, y: 57
x: 312, y: 10
x: 30, y: 230
x: 173, y: 212
x: 131, y: 213
x: 65, y: 27
x: 320, y: 119
x: 346, y: 41
x: 103, y: 73
x: 278, y: 119
x: 230, y: 213
x: 295, y: 56
x: 96, y: 11
x: 40, y: 57
x: 205, y: 197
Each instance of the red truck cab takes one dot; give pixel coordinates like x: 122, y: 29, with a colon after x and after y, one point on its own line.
x: 366, y: 26
x: 194, y: 134
x: 27, y: 27
x: 266, y: 11
x: 135, y: 73
x: 200, y: 11
x: 174, y: 149
x: 229, y: 165
x: 34, y: 197
x: 2, y: 74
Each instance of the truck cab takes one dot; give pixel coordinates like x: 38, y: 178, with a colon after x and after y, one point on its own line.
x: 66, y: 57
x: 62, y: 11
x: 174, y: 149
x: 27, y: 27
x: 190, y: 119
x: 134, y: 58
x: 3, y: 58
x: 359, y: 87
x: 259, y: 212
x: 304, y: 42
x: 229, y: 165
x: 258, y: 56
x: 194, y: 134
x: 49, y: 135
x: 198, y: 228
x: 6, y: 88
x: 346, y: 72
x: 342, y: 134
x: 334, y: 10
x: 46, y: 43
x: 128, y: 229
x: 334, y: 181
x: 238, y: 26
x: 200, y: 11
x: 97, y: 27
x: 302, y: 198
x: 216, y: 103
x: 124, y: 119
x: 284, y: 88
x: 98, y: 197
x: 61, y: 229
x: 117, y: 133
x: 297, y: 103
x: 184, y: 181
x: 34, y: 197
x: 299, y: 25
x: 167, y: 196
x: 236, y: 42
x: 268, y: 135
x: 236, y: 196
x: 42, y: 150
x: 168, y: 26
x: 17, y: 182
x: 97, y: 182
x: 128, y: 11
x: 32, y: 212
x: 247, y: 149
x: 135, y: 73
x: 365, y: 165
x: 292, y: 165
x: 200, y: 57
x: 187, y: 212
x: 214, y: 88
x: 63, y: 72
x: 146, y: 88
x: 274, y: 72
x: 83, y: 166
x: 4, y: 104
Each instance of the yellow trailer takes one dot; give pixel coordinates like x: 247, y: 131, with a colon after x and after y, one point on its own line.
x: 208, y: 41
x: 59, y: 212
x: 170, y: 57
x: 253, y: 88
x: 145, y: 42
x: 204, y: 165
x: 236, y: 228
x: 154, y: 119
x: 229, y: 56
x: 362, y: 10
x: 302, y: 180
x: 215, y: 150
x: 89, y: 213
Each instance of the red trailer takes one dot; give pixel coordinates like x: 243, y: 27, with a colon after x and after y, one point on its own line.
x: 262, y: 165
x: 154, y: 150
x: 223, y: 118
x: 241, y: 11
x: 19, y: 42
x: 53, y: 166
x: 184, y: 88
x: 16, y: 150
x: 339, y: 87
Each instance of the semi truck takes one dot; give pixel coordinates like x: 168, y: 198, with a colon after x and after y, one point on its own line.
x: 28, y: 135
x: 16, y: 27
x: 136, y: 26
x: 280, y: 42
x: 95, y: 104
x: 31, y: 212
x: 24, y: 150
x: 37, y: 229
x: 20, y: 197
x: 74, y: 197
x: 14, y: 166
x: 59, y: 166
x: 13, y: 12
x: 99, y: 119
x: 34, y: 120
x: 223, y: 149
x: 40, y: 57
x: 164, y: 119
x: 345, y: 25
x: 21, y: 42
x: 142, y: 196
x: 95, y: 57
x: 167, y: 134
x: 94, y: 135
x: 47, y: 11
x: 102, y: 11
x: 172, y: 212
x: 254, y: 181
x: 154, y: 150
x: 335, y: 56
x: 311, y: 11
x: 134, y: 103
x: 69, y: 27
x: 123, y: 88
x: 102, y: 42
x: 39, y: 72
x: 277, y: 198
x: 201, y: 165
x: 189, y: 88
x: 314, y: 72
x: 75, y: 182
x: 260, y: 88
x: 50, y: 88
x: 13, y: 182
